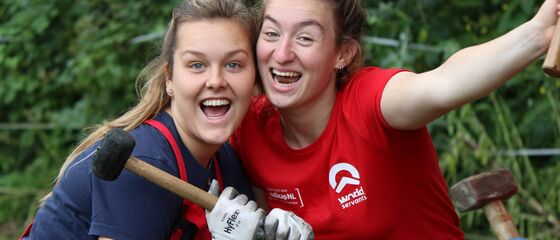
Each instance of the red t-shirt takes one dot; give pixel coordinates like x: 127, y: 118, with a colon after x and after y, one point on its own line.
x: 361, y: 179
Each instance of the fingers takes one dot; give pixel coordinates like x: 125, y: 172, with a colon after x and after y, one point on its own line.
x: 270, y: 227
x: 259, y: 230
x: 229, y: 193
x: 305, y: 231
x: 241, y: 199
x: 276, y: 225
x: 214, y: 188
x: 235, y: 217
x: 285, y: 225
x: 311, y: 235
x: 252, y: 205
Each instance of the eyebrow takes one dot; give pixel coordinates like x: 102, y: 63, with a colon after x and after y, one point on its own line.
x: 300, y: 25
x: 201, y: 54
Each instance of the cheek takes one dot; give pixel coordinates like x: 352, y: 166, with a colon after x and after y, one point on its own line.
x: 246, y: 86
x: 263, y: 51
x: 187, y: 86
x: 242, y: 83
x: 318, y: 59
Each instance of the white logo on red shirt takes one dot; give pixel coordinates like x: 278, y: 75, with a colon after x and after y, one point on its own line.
x: 354, y: 197
x: 354, y: 180
x: 286, y: 196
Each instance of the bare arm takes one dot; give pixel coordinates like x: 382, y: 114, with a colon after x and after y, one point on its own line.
x: 413, y: 100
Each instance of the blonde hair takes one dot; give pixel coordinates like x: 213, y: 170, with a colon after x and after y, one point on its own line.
x: 150, y: 83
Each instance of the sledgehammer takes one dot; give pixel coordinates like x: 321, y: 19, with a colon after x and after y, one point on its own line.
x: 114, y: 153
x: 487, y: 190
x: 551, y: 64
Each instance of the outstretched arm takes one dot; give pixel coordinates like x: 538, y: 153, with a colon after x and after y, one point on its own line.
x: 413, y: 100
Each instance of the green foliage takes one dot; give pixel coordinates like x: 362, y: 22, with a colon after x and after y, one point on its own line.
x: 70, y: 64
x: 73, y: 63
x: 523, y: 114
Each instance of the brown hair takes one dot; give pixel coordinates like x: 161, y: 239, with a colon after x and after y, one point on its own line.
x: 349, y: 16
x: 150, y: 84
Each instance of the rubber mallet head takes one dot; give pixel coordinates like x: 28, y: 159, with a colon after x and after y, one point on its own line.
x: 112, y: 154
x: 476, y: 191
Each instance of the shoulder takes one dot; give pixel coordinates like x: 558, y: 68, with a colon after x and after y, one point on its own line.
x: 375, y: 74
x: 152, y: 147
x: 260, y: 104
x: 260, y: 112
x: 369, y: 80
x: 148, y: 140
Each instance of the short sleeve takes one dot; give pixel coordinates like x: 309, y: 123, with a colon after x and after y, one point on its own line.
x: 362, y: 100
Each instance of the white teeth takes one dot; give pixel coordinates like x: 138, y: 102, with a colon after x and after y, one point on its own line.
x: 285, y: 74
x: 215, y: 102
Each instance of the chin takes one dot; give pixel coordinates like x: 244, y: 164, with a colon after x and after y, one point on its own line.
x: 218, y: 138
x: 280, y: 101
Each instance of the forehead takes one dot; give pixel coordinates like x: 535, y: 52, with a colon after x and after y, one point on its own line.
x: 298, y: 11
x: 212, y: 35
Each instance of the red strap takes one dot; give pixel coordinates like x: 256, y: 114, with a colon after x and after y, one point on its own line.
x: 191, y: 212
x: 177, y: 234
x: 26, y: 233
x: 178, y: 156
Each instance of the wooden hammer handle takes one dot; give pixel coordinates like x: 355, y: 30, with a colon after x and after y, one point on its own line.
x: 171, y: 183
x: 500, y: 220
x: 551, y: 65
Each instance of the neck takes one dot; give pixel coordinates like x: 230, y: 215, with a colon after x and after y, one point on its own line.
x: 303, y: 125
x: 201, y: 151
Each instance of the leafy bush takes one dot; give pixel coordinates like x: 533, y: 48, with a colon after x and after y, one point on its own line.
x: 68, y: 64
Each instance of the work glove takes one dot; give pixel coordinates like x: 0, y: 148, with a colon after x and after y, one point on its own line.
x: 234, y: 217
x: 285, y: 225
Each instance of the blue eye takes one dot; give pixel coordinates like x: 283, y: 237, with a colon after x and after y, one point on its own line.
x: 197, y: 67
x: 233, y: 66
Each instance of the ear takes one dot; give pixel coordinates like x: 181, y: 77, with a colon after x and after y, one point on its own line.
x: 167, y: 71
x: 346, y: 53
x: 168, y: 77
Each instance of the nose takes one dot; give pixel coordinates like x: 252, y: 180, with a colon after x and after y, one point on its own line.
x: 216, y: 79
x: 284, y: 53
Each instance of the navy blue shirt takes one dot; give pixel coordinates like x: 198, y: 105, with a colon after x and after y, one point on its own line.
x: 83, y: 206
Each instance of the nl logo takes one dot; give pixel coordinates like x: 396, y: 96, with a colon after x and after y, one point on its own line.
x: 350, y: 180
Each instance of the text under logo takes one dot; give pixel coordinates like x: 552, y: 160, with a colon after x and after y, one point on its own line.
x: 357, y: 195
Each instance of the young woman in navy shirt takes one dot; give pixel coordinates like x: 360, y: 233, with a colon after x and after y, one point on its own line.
x: 197, y: 91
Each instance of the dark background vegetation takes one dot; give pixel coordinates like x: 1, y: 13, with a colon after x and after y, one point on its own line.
x: 68, y: 64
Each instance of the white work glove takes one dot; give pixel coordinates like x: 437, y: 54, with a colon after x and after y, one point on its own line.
x: 234, y: 217
x: 285, y: 225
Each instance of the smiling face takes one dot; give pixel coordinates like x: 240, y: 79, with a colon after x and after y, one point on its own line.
x: 212, y: 80
x: 297, y: 52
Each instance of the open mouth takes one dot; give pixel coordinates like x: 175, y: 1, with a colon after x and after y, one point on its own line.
x: 215, y: 108
x: 285, y: 78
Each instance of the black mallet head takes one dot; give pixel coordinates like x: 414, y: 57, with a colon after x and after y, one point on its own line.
x: 112, y: 154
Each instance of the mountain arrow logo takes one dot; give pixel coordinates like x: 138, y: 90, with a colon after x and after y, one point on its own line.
x: 354, y: 180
